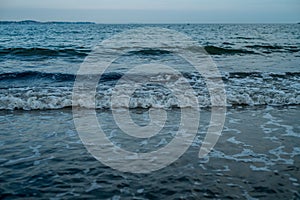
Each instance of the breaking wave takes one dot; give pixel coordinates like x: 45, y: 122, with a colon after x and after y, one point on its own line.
x: 244, y: 89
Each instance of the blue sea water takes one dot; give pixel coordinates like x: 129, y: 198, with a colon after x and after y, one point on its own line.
x: 44, y: 59
x: 257, y: 156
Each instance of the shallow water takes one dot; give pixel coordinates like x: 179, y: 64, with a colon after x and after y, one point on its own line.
x: 257, y: 156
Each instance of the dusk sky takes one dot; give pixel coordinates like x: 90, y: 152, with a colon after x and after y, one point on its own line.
x: 153, y: 11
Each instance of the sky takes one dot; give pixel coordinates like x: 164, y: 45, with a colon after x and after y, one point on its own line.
x: 153, y: 11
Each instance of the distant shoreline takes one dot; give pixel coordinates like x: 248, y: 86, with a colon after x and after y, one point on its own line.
x: 38, y: 22
x: 83, y: 22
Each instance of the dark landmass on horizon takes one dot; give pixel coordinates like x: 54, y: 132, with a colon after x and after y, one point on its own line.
x: 87, y: 22
x: 38, y: 22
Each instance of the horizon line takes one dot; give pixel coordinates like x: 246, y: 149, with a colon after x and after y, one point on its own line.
x: 94, y: 22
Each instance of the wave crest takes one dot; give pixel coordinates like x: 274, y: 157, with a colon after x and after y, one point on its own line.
x: 245, y: 89
x: 44, y: 52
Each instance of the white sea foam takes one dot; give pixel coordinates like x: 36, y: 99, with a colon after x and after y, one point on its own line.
x: 250, y: 91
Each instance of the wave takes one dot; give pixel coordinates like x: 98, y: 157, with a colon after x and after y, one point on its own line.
x: 114, y: 76
x: 81, y: 52
x: 33, y: 75
x: 246, y: 38
x: 242, y: 89
x: 262, y: 75
x: 274, y: 48
x: 214, y: 50
x: 264, y: 47
x: 44, y: 52
x: 59, y: 77
x: 154, y: 52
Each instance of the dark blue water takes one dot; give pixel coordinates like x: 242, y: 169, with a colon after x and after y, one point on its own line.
x: 39, y: 59
x: 60, y: 48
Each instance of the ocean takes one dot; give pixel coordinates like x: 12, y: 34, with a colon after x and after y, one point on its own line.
x: 48, y: 104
